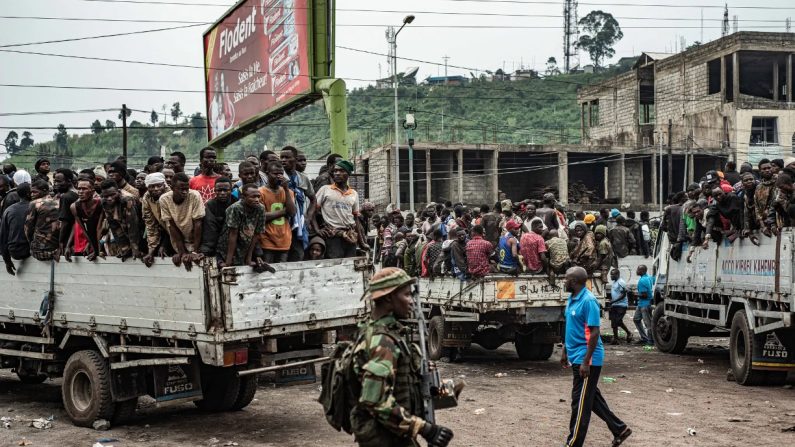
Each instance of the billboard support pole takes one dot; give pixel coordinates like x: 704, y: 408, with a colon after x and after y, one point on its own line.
x: 335, y: 101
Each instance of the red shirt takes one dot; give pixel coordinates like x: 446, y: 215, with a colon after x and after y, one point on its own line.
x: 478, y: 252
x: 205, y: 185
x: 530, y: 247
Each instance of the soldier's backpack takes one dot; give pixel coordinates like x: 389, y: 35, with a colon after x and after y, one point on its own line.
x: 341, y: 388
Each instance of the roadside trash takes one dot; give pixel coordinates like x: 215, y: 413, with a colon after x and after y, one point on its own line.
x: 608, y: 380
x: 479, y: 411
x: 730, y: 376
x: 700, y: 361
x: 99, y: 444
x: 230, y: 443
x: 787, y: 387
x: 674, y: 414
x: 738, y: 419
x: 704, y: 371
x: 648, y: 348
x: 24, y: 442
x: 213, y: 441
x: 788, y: 429
x: 691, y: 431
x: 101, y: 424
x: 41, y: 424
x: 626, y: 391
x: 669, y: 390
x: 618, y: 353
x: 561, y: 400
x: 104, y: 440
x: 6, y: 421
x: 501, y: 375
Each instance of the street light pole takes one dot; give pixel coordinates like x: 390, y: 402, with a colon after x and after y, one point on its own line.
x: 392, y: 37
x: 410, y: 124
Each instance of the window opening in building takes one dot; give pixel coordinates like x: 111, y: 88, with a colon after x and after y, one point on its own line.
x: 793, y: 143
x: 763, y: 131
x: 594, y: 114
x: 713, y: 76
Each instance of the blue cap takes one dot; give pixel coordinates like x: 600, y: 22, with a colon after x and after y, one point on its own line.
x: 614, y: 212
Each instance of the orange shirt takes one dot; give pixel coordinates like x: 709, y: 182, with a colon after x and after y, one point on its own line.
x: 278, y: 234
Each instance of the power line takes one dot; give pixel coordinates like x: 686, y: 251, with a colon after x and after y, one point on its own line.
x: 75, y: 39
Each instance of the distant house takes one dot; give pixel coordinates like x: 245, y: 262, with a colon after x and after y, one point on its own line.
x: 446, y: 80
x: 500, y: 75
x: 409, y: 77
x: 524, y: 74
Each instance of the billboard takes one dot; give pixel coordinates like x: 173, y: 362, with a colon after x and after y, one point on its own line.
x: 258, y: 61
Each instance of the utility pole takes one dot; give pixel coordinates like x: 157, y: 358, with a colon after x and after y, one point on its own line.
x: 725, y: 28
x: 410, y: 124
x: 670, y: 160
x: 446, y: 58
x: 391, y: 36
x: 124, y: 130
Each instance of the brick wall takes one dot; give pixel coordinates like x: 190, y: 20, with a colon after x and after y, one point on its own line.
x: 617, y: 111
x: 379, y: 178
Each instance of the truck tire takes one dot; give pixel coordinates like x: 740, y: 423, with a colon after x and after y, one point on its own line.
x: 435, y: 338
x: 527, y: 350
x: 86, y: 388
x: 741, y: 349
x: 248, y: 387
x: 31, y: 379
x: 545, y: 351
x: 670, y: 334
x: 220, y: 388
x: 124, y: 411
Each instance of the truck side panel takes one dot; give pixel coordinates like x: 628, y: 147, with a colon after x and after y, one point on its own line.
x: 299, y: 292
x: 107, y: 292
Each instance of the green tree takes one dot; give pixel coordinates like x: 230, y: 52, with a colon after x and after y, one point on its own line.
x: 61, y: 138
x: 600, y: 33
x: 153, y: 118
x: 176, y: 112
x: 11, y: 142
x: 96, y: 127
x: 26, y: 141
x: 198, y: 124
x: 129, y: 112
x: 552, y: 67
x: 109, y: 124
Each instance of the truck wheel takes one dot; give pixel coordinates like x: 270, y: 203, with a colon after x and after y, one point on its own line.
x: 545, y: 351
x: 248, y: 387
x: 220, y: 388
x: 525, y: 349
x: 86, y: 388
x: 435, y: 337
x: 31, y: 379
x: 124, y: 411
x: 741, y: 351
x: 670, y: 334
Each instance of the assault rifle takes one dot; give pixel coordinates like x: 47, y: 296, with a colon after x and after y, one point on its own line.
x: 436, y: 393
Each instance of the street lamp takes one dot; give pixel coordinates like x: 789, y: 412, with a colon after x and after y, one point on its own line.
x: 392, y: 38
x: 410, y: 124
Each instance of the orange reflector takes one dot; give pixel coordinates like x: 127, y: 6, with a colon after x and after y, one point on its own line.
x: 229, y: 358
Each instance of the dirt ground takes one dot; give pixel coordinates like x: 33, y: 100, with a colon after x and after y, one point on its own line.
x: 659, y: 395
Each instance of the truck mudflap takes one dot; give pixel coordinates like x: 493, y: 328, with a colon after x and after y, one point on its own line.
x: 177, y: 383
x: 773, y: 352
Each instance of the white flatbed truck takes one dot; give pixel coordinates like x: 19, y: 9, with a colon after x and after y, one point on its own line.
x: 744, y: 291
x: 116, y: 331
x: 497, y: 309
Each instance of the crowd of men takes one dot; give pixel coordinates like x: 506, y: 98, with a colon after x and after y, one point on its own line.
x: 537, y: 237
x: 269, y: 213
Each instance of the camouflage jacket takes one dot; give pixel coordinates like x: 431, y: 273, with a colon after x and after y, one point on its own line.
x: 390, y: 396
x: 42, y: 228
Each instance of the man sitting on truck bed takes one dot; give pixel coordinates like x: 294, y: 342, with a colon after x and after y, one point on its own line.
x: 478, y: 253
x: 120, y: 224
x: 182, y: 211
x: 339, y: 205
x: 245, y: 220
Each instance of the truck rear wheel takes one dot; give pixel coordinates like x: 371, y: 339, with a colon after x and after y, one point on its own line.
x: 527, y: 350
x: 220, y: 389
x: 86, y: 388
x: 248, y: 388
x: 741, y: 351
x: 436, y: 337
x: 670, y: 334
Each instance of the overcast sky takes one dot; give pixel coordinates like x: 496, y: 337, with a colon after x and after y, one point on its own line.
x: 429, y: 38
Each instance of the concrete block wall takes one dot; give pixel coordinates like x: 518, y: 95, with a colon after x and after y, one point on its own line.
x: 617, y: 111
x: 633, y: 181
x: 379, y: 178
x: 614, y: 169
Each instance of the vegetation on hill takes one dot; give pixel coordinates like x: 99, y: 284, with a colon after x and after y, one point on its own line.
x: 528, y: 111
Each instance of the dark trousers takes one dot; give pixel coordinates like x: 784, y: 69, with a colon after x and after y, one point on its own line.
x: 337, y: 247
x: 274, y: 256
x: 296, y: 252
x: 585, y: 397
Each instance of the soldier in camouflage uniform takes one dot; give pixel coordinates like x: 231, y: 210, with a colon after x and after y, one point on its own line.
x: 41, y: 223
x: 387, y: 364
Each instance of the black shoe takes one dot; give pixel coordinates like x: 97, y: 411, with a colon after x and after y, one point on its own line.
x: 618, y: 440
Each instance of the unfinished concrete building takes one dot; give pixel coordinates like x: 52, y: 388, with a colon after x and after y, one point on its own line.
x: 476, y: 174
x: 727, y: 99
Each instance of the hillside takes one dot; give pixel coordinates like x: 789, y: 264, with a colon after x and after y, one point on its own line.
x: 528, y: 111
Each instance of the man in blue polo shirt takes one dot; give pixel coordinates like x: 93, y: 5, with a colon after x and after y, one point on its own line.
x: 583, y: 351
x: 643, y: 311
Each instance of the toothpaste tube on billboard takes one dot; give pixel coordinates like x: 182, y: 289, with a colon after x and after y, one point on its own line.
x: 282, y: 55
x: 282, y: 32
